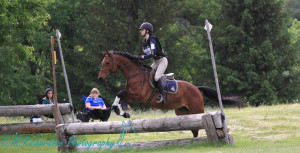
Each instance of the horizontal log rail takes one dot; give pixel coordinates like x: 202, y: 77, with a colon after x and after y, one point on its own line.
x: 211, y: 122
x: 20, y: 128
x: 143, y: 145
x: 28, y: 110
x: 184, y: 122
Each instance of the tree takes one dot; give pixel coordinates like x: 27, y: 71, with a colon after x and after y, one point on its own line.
x: 91, y: 27
x: 293, y: 7
x: 253, y: 51
x: 20, y: 77
x: 294, y: 31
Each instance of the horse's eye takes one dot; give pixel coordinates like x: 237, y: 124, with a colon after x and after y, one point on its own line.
x: 106, y: 63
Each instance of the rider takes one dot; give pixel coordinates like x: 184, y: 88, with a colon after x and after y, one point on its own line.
x: 152, y: 49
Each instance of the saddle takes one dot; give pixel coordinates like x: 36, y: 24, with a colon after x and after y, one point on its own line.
x: 169, y: 83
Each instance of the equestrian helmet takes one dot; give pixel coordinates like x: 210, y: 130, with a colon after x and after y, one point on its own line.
x: 146, y: 25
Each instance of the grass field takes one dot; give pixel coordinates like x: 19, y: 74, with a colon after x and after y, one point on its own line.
x: 254, y: 129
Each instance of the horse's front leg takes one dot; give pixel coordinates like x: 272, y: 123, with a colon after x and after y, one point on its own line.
x: 117, y: 106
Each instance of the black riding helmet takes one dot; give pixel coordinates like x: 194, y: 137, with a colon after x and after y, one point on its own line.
x: 146, y: 25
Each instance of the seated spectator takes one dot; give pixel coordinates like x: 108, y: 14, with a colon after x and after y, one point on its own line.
x: 96, y: 106
x: 48, y: 99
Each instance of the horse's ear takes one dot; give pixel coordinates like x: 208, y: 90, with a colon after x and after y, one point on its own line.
x: 109, y: 53
x: 104, y: 53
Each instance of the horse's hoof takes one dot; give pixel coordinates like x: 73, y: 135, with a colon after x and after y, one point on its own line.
x: 126, y: 115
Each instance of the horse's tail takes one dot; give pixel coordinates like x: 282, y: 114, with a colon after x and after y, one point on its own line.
x: 212, y: 94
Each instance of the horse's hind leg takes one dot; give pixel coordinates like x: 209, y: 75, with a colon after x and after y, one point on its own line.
x: 194, y: 105
x: 185, y: 111
x: 195, y: 109
x: 182, y: 111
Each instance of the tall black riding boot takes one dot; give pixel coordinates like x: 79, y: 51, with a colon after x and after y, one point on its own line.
x: 160, y: 88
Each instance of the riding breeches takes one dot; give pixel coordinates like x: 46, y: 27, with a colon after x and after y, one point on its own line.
x: 160, y: 66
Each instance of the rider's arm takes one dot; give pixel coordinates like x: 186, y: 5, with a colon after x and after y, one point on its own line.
x: 153, y: 49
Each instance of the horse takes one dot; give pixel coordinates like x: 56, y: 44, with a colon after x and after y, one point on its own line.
x: 187, y: 100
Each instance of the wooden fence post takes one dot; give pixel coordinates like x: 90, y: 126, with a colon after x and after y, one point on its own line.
x: 62, y: 138
x: 210, y: 128
x: 57, y: 115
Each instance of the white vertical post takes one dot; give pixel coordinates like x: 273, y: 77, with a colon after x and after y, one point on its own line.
x: 208, y: 28
x: 65, y: 73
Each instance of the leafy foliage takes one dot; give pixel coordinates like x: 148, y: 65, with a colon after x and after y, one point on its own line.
x: 21, y: 78
x: 293, y: 7
x: 253, y: 51
x: 256, y: 51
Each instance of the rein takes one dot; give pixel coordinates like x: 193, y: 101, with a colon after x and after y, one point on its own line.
x: 133, y: 75
x: 137, y: 72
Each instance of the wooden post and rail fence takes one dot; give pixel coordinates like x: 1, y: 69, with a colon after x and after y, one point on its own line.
x: 215, y: 123
x: 28, y: 110
x: 212, y: 123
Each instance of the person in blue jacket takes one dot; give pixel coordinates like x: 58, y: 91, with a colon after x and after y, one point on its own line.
x: 48, y: 99
x: 96, y: 106
x: 152, y: 49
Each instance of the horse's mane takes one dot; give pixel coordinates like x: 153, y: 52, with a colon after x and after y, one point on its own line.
x: 133, y: 58
x: 128, y: 55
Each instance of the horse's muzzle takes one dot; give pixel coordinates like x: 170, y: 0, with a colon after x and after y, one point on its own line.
x: 101, y: 79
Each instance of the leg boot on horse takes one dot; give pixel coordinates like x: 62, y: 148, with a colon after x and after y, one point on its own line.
x: 159, y: 86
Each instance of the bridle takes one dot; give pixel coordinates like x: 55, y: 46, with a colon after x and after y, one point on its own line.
x: 112, y: 67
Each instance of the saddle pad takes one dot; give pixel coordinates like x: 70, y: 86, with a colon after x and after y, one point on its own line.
x: 171, y: 86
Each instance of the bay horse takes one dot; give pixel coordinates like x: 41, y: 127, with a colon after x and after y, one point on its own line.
x: 187, y: 100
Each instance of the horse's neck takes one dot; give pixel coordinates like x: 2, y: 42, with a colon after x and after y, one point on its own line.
x: 130, y: 68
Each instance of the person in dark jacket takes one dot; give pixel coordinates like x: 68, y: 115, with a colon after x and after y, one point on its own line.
x: 152, y: 49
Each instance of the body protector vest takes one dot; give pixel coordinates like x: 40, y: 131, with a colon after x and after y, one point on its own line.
x: 147, y: 47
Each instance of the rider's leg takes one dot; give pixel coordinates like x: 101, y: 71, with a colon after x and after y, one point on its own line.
x: 162, y: 66
x: 154, y: 65
x: 160, y: 88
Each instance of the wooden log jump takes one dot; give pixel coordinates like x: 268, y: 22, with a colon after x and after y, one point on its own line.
x: 211, y: 122
x: 41, y: 127
x: 178, y: 123
x: 28, y: 110
x: 143, y: 145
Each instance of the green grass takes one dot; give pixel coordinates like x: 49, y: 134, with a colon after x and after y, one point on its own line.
x: 254, y: 129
